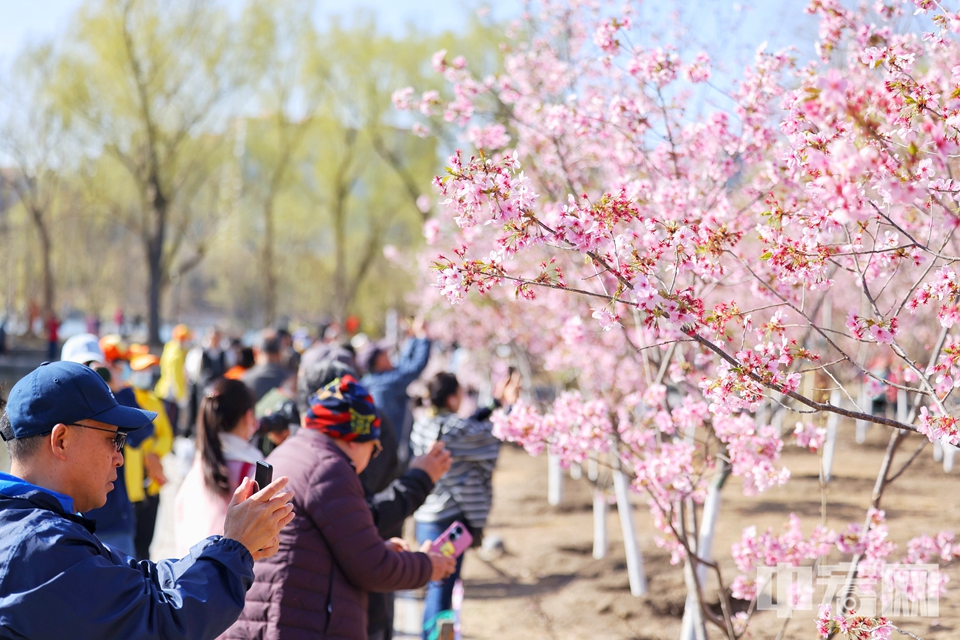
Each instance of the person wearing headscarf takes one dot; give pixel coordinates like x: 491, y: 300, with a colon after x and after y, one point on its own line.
x: 332, y: 555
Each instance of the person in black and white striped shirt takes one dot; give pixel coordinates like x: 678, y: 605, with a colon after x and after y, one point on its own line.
x: 465, y: 493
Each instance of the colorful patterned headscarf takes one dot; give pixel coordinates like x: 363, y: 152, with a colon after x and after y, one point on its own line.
x: 344, y: 410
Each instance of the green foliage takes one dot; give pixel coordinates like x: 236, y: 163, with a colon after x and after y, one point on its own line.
x: 249, y: 163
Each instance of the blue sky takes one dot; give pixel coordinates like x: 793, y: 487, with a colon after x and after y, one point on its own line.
x: 25, y: 20
x: 21, y: 20
x: 778, y: 21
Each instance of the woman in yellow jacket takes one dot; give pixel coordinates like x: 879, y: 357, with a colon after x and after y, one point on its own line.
x: 144, y: 472
x: 172, y: 386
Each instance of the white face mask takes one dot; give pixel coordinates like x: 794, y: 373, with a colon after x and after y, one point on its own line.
x: 125, y: 370
x: 142, y: 379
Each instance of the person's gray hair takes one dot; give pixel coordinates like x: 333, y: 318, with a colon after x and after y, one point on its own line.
x: 314, y: 377
x: 20, y: 448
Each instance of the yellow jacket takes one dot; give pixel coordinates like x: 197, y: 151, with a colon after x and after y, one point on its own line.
x: 173, y: 374
x: 160, y: 443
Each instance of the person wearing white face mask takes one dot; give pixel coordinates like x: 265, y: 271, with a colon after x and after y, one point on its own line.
x: 143, y: 467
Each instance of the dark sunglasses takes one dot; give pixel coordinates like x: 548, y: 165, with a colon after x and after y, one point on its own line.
x: 119, y: 438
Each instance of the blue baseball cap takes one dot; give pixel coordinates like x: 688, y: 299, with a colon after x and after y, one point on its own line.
x: 66, y: 392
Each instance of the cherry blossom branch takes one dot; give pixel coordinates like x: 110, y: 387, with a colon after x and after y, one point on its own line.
x: 883, y: 478
x: 813, y: 325
x: 818, y: 406
x: 923, y: 445
x: 904, y: 632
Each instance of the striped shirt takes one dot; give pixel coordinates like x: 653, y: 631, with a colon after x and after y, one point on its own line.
x: 467, y: 489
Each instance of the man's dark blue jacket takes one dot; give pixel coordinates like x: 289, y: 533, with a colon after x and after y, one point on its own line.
x: 389, y: 388
x: 57, y: 580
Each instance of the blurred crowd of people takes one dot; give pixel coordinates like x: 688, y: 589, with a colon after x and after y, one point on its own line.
x: 335, y: 417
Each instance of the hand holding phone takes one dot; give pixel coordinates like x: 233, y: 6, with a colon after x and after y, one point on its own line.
x: 454, y: 541
x: 264, y: 475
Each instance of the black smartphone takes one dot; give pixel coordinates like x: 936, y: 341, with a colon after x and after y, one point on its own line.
x: 264, y: 474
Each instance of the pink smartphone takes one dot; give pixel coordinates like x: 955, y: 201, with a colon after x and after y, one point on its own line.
x: 453, y: 542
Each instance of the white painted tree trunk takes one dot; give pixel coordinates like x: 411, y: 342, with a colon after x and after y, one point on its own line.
x: 693, y: 625
x: 638, y: 579
x: 554, y: 480
x: 949, y: 451
x: 593, y: 469
x: 864, y: 403
x: 937, y: 451
x: 777, y: 422
x: 826, y: 472
x: 392, y: 327
x: 600, y: 541
x: 576, y: 471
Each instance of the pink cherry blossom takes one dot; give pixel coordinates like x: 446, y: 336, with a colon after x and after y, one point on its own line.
x: 679, y: 272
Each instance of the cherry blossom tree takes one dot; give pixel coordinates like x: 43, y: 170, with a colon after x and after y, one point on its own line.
x: 695, y: 266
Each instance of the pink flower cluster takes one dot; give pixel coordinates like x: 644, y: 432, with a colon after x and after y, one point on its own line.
x: 944, y: 288
x: 939, y: 428
x: 946, y: 371
x: 881, y: 332
x: 851, y: 626
x: 769, y: 549
x: 872, y: 542
x: 571, y: 430
x: 741, y: 387
x: 753, y: 451
x: 809, y: 436
x: 485, y: 189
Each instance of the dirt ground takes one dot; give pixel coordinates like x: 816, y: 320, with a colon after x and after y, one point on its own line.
x: 548, y: 585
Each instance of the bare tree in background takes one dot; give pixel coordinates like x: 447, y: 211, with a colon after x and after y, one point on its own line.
x: 149, y: 80
x: 274, y: 32
x: 33, y: 135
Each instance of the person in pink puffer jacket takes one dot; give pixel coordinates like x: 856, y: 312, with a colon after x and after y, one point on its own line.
x: 224, y: 458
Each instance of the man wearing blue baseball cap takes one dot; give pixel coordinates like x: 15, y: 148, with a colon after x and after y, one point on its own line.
x: 64, y: 431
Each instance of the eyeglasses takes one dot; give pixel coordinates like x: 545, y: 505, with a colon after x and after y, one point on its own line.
x: 119, y: 438
x: 377, y: 449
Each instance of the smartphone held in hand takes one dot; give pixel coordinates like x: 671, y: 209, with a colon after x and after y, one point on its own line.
x: 264, y: 474
x: 454, y: 541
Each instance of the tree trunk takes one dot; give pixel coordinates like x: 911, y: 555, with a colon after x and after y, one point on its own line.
x: 340, y: 302
x: 154, y: 291
x: 268, y: 268
x: 46, y: 251
x: 155, y: 265
x: 343, y: 185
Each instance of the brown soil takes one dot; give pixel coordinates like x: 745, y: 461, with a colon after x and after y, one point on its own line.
x: 548, y: 585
